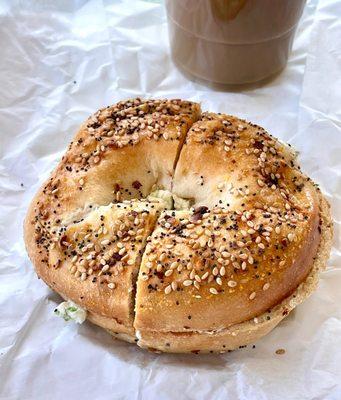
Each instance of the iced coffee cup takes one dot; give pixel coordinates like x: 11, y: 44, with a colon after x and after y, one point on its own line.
x: 232, y: 41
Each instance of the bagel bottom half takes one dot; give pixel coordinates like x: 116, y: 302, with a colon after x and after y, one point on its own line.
x: 243, y: 333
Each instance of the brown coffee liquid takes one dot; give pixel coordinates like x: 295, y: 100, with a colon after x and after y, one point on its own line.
x: 232, y: 41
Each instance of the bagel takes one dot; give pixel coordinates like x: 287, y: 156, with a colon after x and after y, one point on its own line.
x: 179, y: 230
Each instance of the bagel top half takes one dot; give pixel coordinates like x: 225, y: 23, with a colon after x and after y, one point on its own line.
x: 160, y: 218
x: 247, y: 242
x: 84, y: 234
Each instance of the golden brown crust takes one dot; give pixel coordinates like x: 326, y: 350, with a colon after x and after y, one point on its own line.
x: 96, y: 260
x: 114, y: 157
x: 249, y: 331
x: 249, y: 241
x: 210, y: 268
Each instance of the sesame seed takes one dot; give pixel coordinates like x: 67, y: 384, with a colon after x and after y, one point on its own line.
x: 168, y: 289
x: 83, y: 276
x: 213, y: 290
x: 73, y: 269
x: 252, y: 295
x: 232, y: 283
x: 105, y: 242
x: 169, y: 272
x: 174, y: 265
x: 261, y: 246
x: 205, y: 275
x: 266, y: 286
x: 187, y: 282
x: 291, y: 237
x: 174, y: 286
x: 111, y: 285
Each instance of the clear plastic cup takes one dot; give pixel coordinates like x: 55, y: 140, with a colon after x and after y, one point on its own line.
x: 232, y: 41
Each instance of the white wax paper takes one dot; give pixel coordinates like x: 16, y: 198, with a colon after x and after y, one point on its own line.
x: 60, y: 61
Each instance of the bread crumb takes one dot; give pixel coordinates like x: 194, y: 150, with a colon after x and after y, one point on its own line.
x: 280, y: 351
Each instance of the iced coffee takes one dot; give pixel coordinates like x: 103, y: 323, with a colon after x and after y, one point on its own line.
x: 232, y: 41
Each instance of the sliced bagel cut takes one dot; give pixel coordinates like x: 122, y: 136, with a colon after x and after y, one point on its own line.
x: 225, y: 233
x: 247, y: 244
x: 122, y: 152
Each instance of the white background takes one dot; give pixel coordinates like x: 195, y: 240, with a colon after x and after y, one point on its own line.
x: 60, y: 61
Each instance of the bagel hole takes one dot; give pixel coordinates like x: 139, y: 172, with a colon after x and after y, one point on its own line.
x: 172, y: 201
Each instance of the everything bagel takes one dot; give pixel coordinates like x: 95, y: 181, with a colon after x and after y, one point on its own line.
x: 179, y: 230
